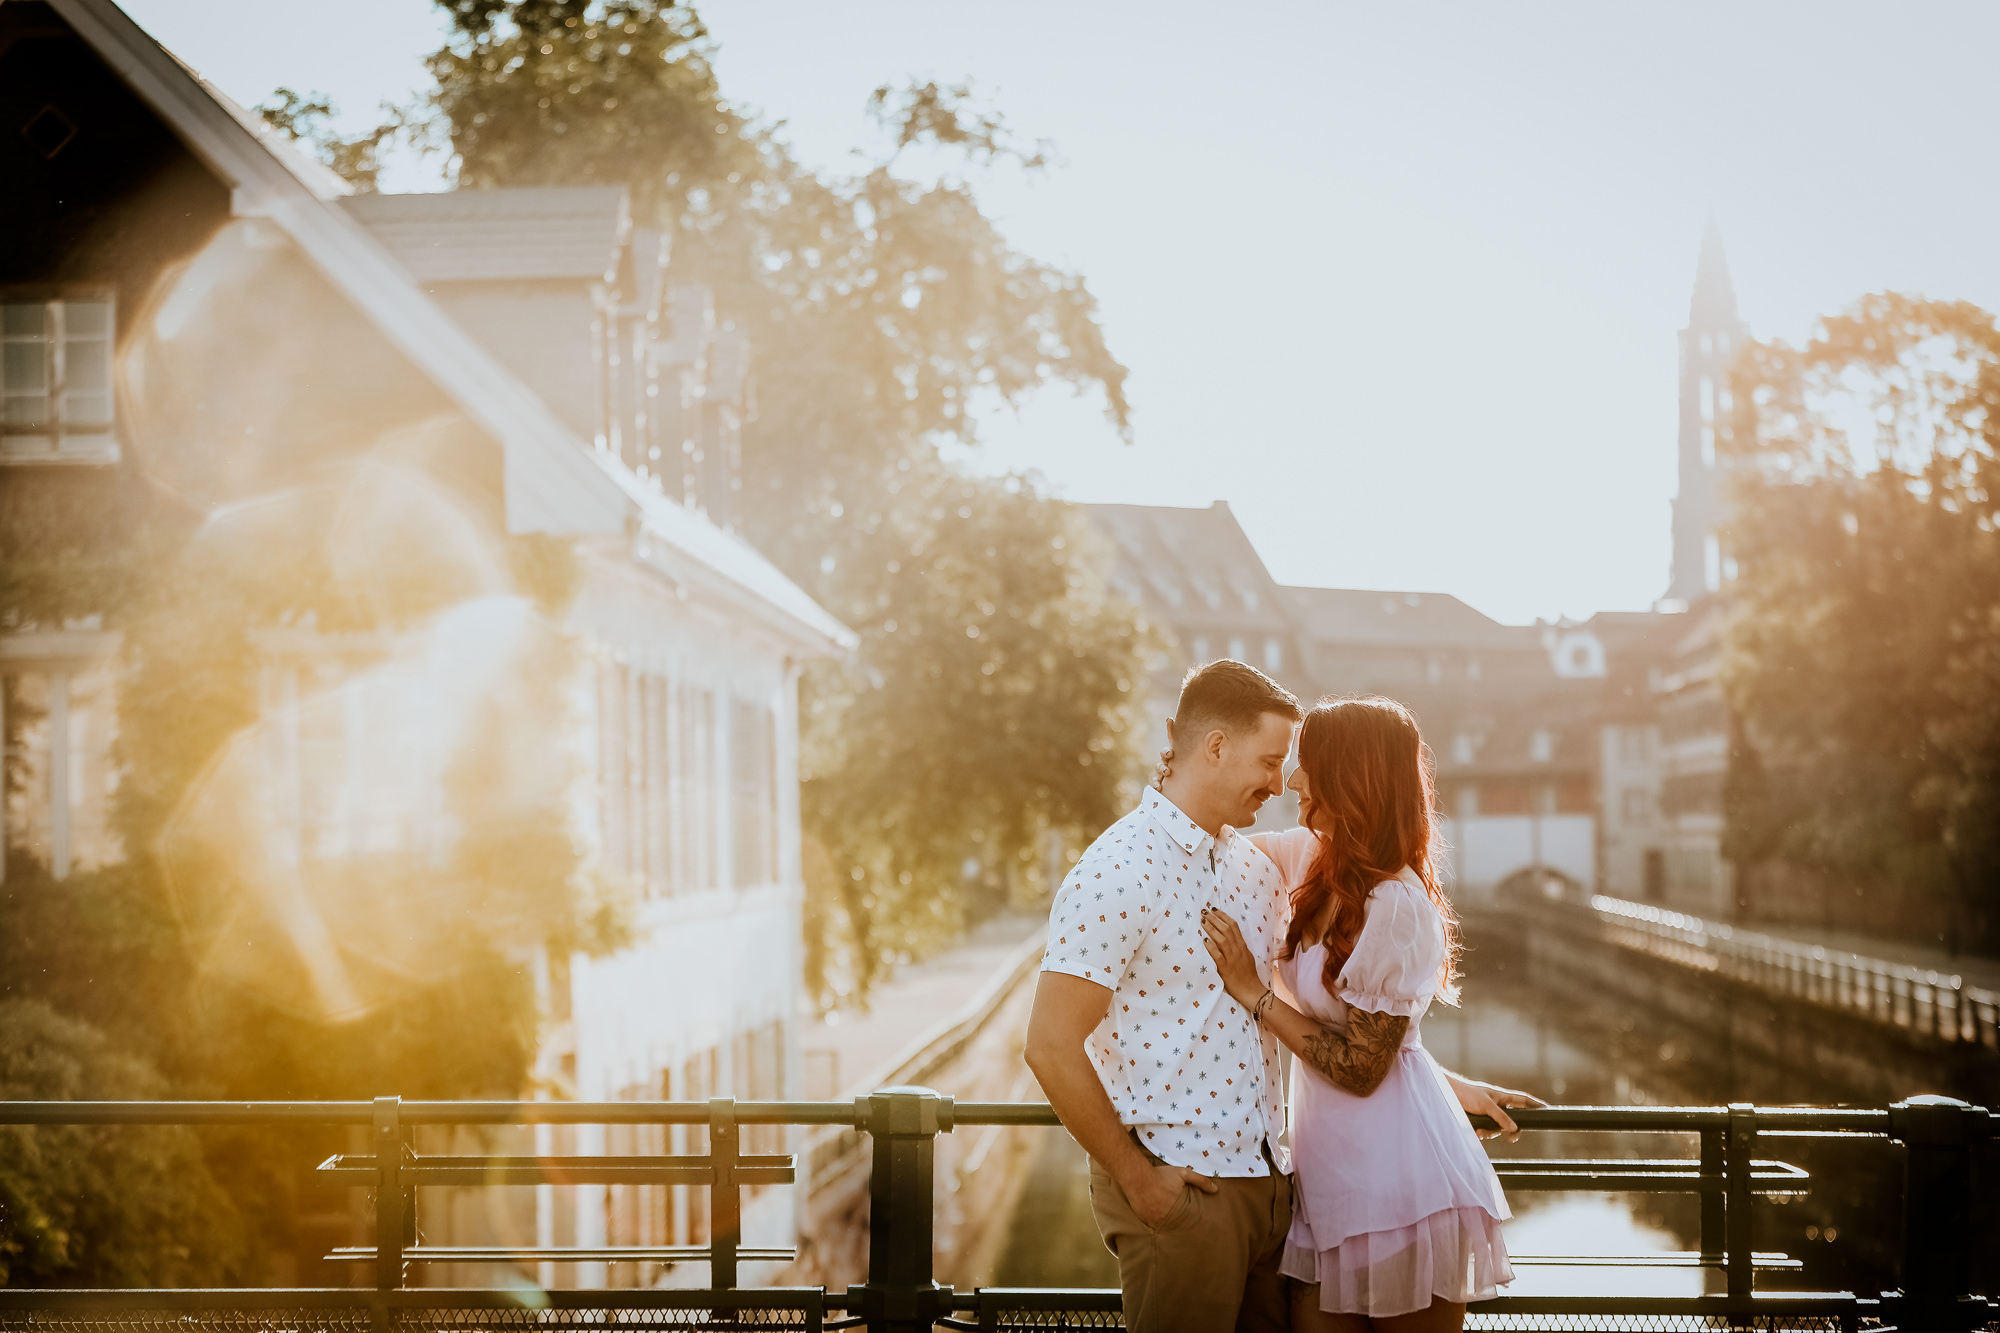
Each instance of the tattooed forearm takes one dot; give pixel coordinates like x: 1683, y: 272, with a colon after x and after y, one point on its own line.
x: 1359, y: 1058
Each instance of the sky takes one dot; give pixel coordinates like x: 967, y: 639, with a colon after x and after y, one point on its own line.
x: 1400, y: 283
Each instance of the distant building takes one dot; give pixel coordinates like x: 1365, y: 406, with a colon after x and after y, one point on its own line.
x: 1513, y: 768
x: 1411, y: 645
x: 1694, y: 728
x: 1196, y: 576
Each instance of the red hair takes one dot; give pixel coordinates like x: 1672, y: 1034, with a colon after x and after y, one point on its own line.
x: 1370, y: 784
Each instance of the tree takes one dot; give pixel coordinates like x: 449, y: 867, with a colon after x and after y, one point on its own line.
x: 1864, y: 652
x: 881, y: 310
x: 308, y: 118
x: 982, y: 737
x: 106, y: 1206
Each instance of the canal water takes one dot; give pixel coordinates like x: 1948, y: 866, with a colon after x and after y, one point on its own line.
x: 1577, y: 1051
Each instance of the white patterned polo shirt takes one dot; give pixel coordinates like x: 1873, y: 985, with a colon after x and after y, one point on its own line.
x: 1185, y: 1066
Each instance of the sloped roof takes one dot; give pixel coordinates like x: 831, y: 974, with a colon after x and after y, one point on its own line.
x: 553, y: 481
x: 1191, y: 565
x: 1399, y: 619
x: 474, y: 235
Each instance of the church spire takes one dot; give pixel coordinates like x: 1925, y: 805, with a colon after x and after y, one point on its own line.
x: 1709, y: 346
x: 1713, y: 305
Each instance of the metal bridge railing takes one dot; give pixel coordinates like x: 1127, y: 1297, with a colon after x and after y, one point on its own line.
x: 1939, y: 1138
x: 1940, y: 1004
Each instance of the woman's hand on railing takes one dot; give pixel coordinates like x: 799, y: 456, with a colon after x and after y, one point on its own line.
x: 1487, y: 1099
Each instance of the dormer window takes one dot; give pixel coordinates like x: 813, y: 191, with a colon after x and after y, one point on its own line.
x: 55, y: 377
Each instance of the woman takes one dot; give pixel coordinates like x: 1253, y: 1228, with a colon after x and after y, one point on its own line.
x: 1396, y: 1221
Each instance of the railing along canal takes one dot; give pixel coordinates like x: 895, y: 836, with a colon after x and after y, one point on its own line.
x: 1939, y: 1137
x: 1924, y: 1000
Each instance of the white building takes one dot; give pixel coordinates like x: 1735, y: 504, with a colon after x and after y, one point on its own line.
x: 194, y: 308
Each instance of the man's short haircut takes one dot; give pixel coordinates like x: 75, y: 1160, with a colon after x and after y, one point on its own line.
x: 1232, y: 695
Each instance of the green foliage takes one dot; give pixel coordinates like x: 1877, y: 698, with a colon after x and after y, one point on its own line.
x: 881, y: 310
x: 73, y: 545
x: 927, y: 113
x: 112, y: 1206
x: 545, y: 569
x: 1863, y: 650
x: 309, y: 117
x: 985, y: 733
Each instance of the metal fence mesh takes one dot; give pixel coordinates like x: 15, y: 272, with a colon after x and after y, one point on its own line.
x: 1654, y: 1323
x: 652, y: 1319
x: 1008, y: 1320
x: 337, y: 1320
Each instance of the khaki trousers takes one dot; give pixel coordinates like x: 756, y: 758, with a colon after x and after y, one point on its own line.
x: 1212, y: 1264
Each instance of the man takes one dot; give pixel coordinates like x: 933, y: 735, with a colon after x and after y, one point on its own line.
x: 1169, y: 1085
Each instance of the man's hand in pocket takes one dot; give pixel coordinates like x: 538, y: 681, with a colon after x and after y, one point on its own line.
x: 1154, y: 1191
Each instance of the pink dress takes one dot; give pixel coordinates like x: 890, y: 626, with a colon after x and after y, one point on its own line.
x: 1396, y: 1202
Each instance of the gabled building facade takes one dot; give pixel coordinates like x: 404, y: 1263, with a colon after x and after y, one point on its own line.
x: 206, y: 333
x: 1196, y: 576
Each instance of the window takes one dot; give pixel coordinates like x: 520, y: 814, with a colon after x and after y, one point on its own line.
x: 1711, y: 562
x: 1708, y: 446
x: 753, y: 818
x: 1472, y: 668
x: 1707, y: 344
x: 1200, y: 646
x: 1464, y: 748
x: 1707, y: 398
x: 55, y: 374
x: 1541, y: 745
x: 656, y: 796
x: 699, y: 798
x: 1655, y: 875
x: 1274, y: 657
x: 57, y: 775
x: 1635, y: 742
x: 1638, y: 805
x: 699, y: 1081
x: 1237, y: 651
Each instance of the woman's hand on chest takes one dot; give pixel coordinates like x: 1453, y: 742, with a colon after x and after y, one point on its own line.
x: 1234, y: 963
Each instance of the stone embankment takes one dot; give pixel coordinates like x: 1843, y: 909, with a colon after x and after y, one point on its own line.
x: 955, y: 1023
x: 1772, y: 1018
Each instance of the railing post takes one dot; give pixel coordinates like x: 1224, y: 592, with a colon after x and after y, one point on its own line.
x: 1741, y: 1259
x: 901, y: 1295
x: 725, y: 1198
x: 393, y: 1215
x: 1938, y: 1133
x: 1714, y: 1156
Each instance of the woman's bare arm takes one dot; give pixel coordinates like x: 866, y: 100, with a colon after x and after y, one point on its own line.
x: 1357, y: 1059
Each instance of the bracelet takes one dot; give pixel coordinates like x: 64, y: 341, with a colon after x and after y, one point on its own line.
x: 1263, y: 1005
